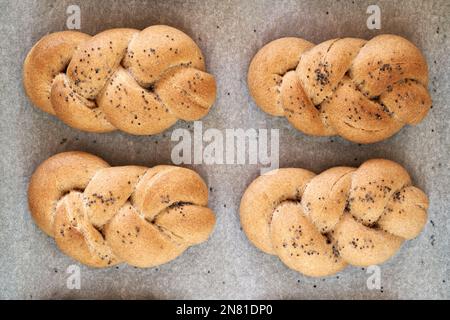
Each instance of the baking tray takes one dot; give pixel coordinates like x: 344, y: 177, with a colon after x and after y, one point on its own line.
x: 227, y: 266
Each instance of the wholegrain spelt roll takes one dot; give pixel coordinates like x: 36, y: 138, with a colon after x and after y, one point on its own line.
x: 364, y: 91
x: 140, y: 82
x: 102, y: 215
x: 318, y: 224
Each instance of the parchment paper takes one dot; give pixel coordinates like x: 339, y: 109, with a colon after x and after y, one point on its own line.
x: 227, y: 266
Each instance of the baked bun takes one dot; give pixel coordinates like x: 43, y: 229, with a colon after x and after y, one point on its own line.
x: 318, y: 224
x: 364, y: 91
x: 102, y: 215
x: 140, y: 82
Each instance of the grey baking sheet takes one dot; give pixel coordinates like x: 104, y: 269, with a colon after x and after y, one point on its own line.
x: 227, y: 266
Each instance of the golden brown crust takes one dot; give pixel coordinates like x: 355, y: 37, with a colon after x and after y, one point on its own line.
x: 263, y: 196
x: 102, y: 215
x: 49, y: 57
x: 267, y: 68
x: 317, y: 224
x: 140, y: 82
x: 364, y: 91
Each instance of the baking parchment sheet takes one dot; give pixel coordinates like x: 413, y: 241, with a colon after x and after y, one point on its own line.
x: 227, y: 266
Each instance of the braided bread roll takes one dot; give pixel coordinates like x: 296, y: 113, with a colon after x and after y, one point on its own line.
x: 140, y: 82
x: 318, y: 224
x: 102, y: 215
x: 364, y: 91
